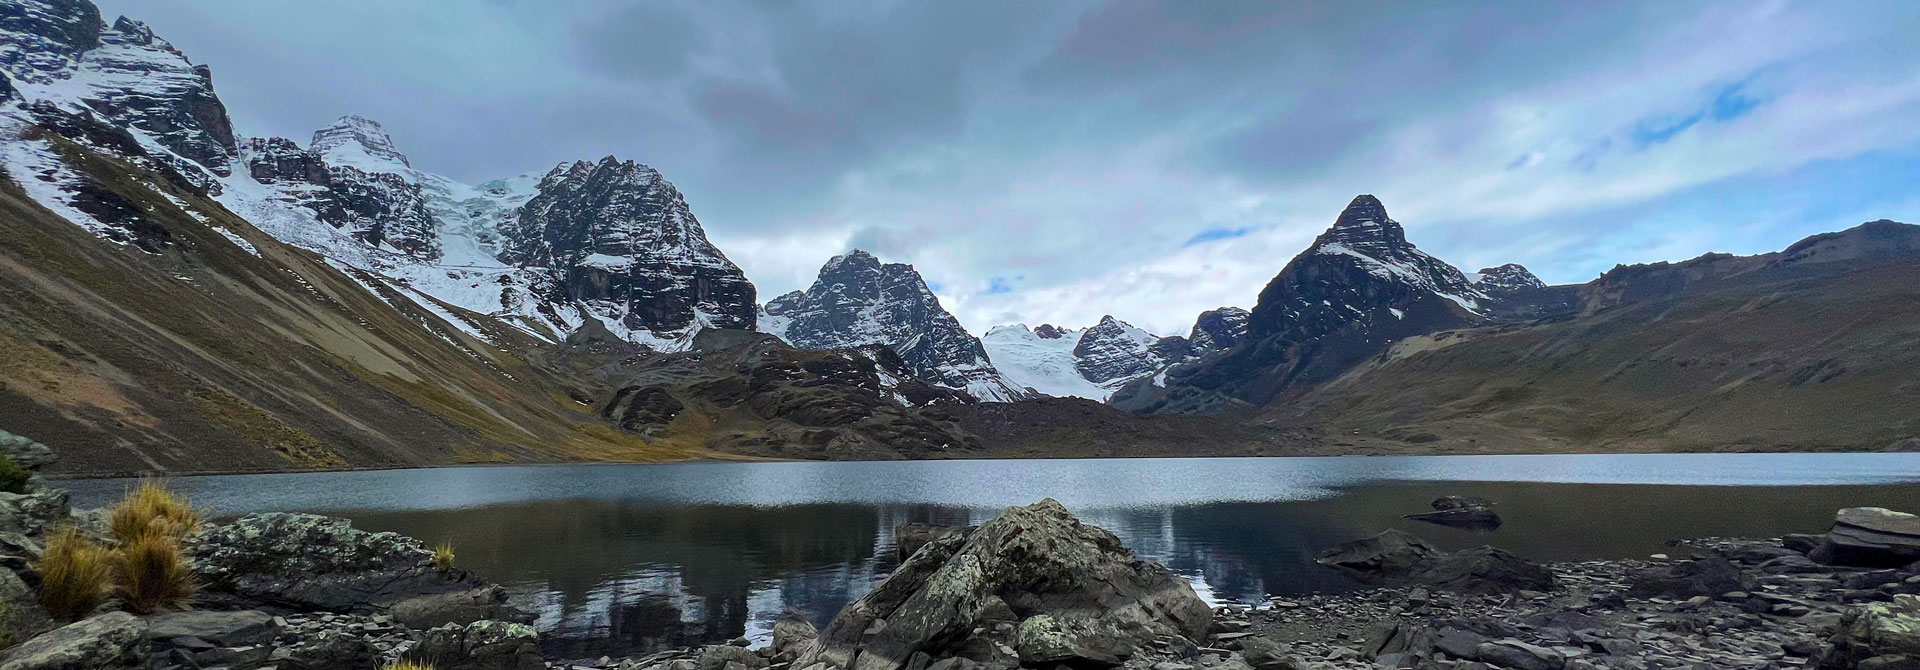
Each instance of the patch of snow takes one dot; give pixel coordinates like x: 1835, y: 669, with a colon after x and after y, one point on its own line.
x: 238, y: 241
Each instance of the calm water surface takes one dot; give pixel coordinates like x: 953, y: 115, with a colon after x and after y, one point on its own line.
x: 627, y: 558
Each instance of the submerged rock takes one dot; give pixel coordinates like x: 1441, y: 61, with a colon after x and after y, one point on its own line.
x: 1873, y: 537
x: 1461, y: 512
x: 1035, y: 581
x: 1396, y: 558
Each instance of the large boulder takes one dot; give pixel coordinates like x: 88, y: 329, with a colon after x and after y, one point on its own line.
x: 793, y: 634
x: 1710, y: 577
x: 1035, y: 580
x: 105, y: 642
x: 481, y: 645
x: 305, y: 562
x: 1877, y: 635
x: 1874, y: 537
x: 1394, y: 558
x: 225, y: 629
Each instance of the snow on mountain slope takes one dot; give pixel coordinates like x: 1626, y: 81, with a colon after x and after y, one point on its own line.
x: 1045, y: 364
x: 857, y: 300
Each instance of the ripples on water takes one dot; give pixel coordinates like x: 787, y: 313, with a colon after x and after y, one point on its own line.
x: 625, y: 558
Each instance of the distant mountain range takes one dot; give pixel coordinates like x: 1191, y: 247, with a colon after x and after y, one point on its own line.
x: 177, y: 297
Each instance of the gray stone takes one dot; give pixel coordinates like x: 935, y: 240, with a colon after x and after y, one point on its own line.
x: 28, y: 453
x: 1708, y: 577
x: 225, y: 629
x: 112, y: 640
x: 1870, y: 537
x: 324, y: 652
x: 456, y: 607
x: 725, y: 656
x: 793, y: 635
x: 33, y: 514
x: 483, y: 645
x: 1876, y: 635
x: 306, y: 562
x: 1520, y: 655
x: 1082, y: 597
x: 25, y: 617
x: 910, y: 537
x: 1396, y: 558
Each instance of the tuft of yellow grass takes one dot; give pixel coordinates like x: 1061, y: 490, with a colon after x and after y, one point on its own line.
x: 407, y: 665
x: 151, y: 507
x: 443, y: 556
x: 75, y: 574
x: 153, y: 574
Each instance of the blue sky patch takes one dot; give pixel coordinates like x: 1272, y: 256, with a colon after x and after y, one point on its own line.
x: 1212, y: 234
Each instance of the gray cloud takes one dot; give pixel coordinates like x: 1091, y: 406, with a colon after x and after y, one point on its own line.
x: 1085, y: 146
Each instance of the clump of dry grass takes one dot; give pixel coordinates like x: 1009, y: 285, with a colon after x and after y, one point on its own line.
x: 153, y: 574
x: 151, y: 571
x: 151, y: 507
x: 443, y: 556
x: 75, y: 574
x: 407, y: 665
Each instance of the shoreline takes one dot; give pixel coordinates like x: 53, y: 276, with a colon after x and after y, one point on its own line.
x: 170, y: 474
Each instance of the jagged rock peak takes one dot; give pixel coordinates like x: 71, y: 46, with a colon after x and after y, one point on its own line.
x: 1048, y: 331
x: 355, y: 133
x: 858, y: 300
x: 1218, y: 329
x: 1115, y: 351
x: 1506, y: 280
x: 1364, y: 224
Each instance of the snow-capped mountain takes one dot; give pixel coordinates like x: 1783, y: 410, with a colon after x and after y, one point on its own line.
x: 1041, y: 359
x: 63, y: 53
x: 1357, y: 289
x: 857, y: 300
x: 611, y: 241
x: 1094, y: 362
x: 1500, y: 282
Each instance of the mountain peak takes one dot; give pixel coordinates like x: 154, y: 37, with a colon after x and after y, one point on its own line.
x: 1363, y: 223
x: 1506, y: 279
x: 359, y: 142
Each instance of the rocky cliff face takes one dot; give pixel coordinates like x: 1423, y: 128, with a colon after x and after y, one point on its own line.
x: 1114, y: 352
x: 351, y: 178
x: 857, y: 300
x: 1360, y: 287
x: 1218, y: 329
x: 1506, y: 280
x: 618, y: 238
x: 59, y: 51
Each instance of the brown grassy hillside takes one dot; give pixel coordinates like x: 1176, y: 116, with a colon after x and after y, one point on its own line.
x: 184, y: 352
x: 1813, y: 348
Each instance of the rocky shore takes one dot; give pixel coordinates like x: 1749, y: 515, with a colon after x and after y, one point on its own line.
x: 1033, y: 588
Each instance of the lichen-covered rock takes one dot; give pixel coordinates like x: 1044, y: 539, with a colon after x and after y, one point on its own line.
x: 105, y: 642
x: 1080, y: 597
x: 1877, y: 636
x: 33, y: 514
x: 481, y: 645
x: 28, y: 453
x: 325, y: 651
x: 25, y: 617
x: 306, y: 562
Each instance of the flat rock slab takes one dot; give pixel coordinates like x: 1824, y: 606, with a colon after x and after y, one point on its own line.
x: 1870, y: 537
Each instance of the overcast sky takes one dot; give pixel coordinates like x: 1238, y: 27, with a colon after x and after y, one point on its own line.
x: 1056, y: 161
